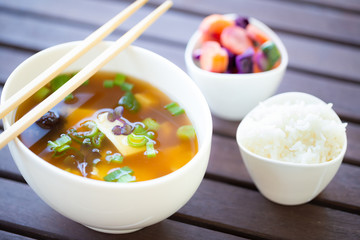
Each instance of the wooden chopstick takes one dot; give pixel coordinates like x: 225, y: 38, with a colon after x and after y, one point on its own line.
x: 89, y: 42
x: 15, y: 129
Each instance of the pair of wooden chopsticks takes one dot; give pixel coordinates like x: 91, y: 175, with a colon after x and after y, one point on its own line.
x: 124, y: 41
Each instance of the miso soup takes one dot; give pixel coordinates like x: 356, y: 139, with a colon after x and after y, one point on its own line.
x: 112, y: 128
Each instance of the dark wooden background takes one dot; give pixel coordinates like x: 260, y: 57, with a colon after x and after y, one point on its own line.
x: 323, y: 42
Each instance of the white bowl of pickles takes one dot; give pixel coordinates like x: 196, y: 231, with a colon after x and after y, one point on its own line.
x: 236, y: 62
x: 123, y: 151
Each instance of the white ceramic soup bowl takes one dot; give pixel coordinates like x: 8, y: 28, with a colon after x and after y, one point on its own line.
x: 232, y: 96
x: 285, y: 182
x: 106, y: 206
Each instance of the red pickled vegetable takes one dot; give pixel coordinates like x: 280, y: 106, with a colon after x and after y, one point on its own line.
x: 212, y: 26
x: 256, y: 35
x: 213, y: 58
x: 235, y: 39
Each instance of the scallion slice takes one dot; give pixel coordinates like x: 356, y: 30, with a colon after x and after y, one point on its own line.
x: 136, y: 140
x: 150, y: 151
x: 69, y: 97
x: 119, y: 79
x: 93, y: 129
x: 123, y: 174
x: 139, y: 130
x: 59, y: 143
x: 42, y: 93
x: 151, y: 124
x: 129, y: 102
x: 127, y: 86
x: 97, y: 139
x: 108, y: 83
x: 186, y: 132
x: 174, y: 109
x: 58, y: 81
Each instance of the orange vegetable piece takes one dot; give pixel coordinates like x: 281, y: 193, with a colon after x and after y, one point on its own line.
x: 213, y: 58
x: 256, y: 34
x: 235, y: 39
x: 212, y: 26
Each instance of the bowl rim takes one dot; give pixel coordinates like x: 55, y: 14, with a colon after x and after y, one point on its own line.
x: 335, y: 160
x: 194, y: 41
x: 206, y: 121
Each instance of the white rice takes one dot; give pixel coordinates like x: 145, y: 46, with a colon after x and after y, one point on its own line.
x: 294, y: 132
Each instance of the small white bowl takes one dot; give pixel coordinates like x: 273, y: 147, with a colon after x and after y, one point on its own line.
x: 106, y: 206
x: 232, y: 96
x: 283, y: 182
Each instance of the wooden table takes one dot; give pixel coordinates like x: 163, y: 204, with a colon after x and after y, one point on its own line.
x: 323, y: 42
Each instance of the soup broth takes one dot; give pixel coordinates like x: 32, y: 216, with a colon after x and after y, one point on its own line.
x: 113, y: 128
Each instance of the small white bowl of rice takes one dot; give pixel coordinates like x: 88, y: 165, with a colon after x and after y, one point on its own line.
x: 292, y: 145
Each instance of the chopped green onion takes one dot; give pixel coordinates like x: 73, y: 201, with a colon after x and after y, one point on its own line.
x: 63, y: 148
x: 42, y: 93
x: 86, y: 82
x: 136, y: 140
x: 59, y: 143
x: 126, y: 178
x: 58, y: 81
x: 86, y: 141
x: 150, y: 151
x: 108, y: 83
x: 151, y: 124
x: 174, y: 109
x: 150, y: 134
x: 69, y: 97
x: 129, y: 102
x: 127, y: 86
x: 123, y: 174
x: 115, y: 158
x: 93, y: 129
x: 119, y: 79
x: 186, y: 132
x: 75, y: 135
x: 97, y: 139
x: 139, y: 130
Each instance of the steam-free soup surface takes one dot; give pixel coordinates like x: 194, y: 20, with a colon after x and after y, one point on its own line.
x: 98, y: 157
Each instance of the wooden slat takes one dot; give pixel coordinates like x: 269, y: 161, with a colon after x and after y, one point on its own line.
x: 12, y: 58
x: 245, y: 210
x: 347, y: 5
x: 12, y: 236
x: 231, y: 214
x: 287, y: 16
x: 321, y: 87
x: 226, y: 165
x: 305, y: 53
x: 330, y: 24
x: 22, y: 208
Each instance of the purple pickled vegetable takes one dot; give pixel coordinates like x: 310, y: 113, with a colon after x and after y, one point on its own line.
x: 261, y: 61
x: 244, y: 62
x: 197, y: 54
x: 231, y: 64
x: 241, y: 21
